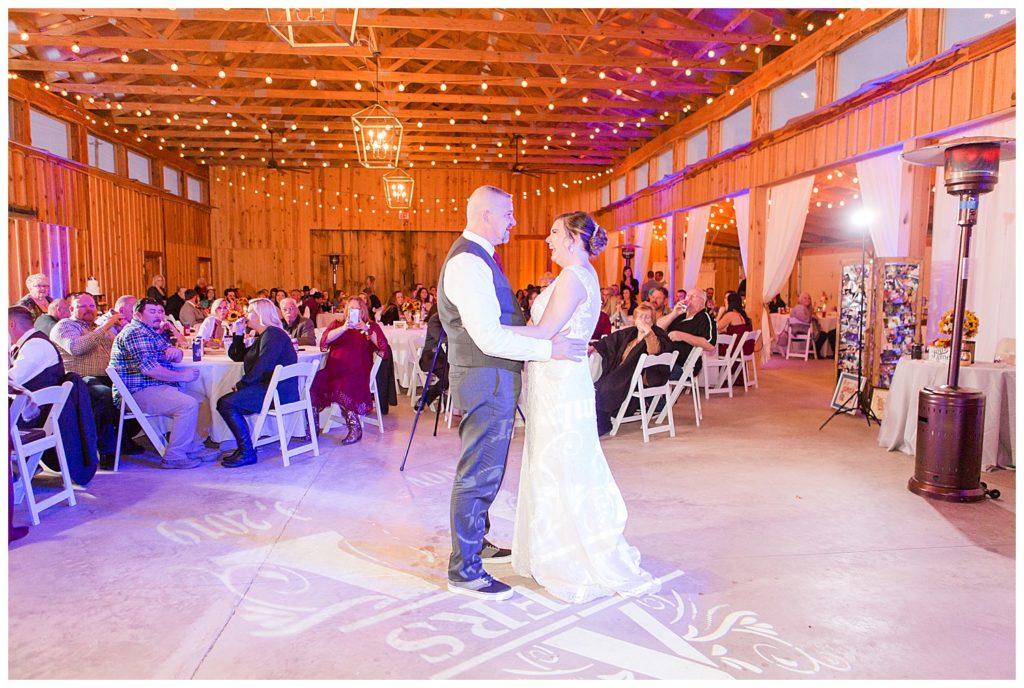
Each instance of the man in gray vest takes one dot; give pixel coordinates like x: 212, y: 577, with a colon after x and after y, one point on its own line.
x: 474, y: 300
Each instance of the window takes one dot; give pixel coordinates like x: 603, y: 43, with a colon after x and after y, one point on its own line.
x: 793, y: 98
x: 606, y: 195
x: 138, y: 167
x: 49, y: 133
x: 640, y: 178
x: 881, y: 53
x: 172, y: 180
x: 663, y: 164
x: 195, y: 189
x: 697, y: 147
x: 736, y: 128
x: 962, y: 24
x: 101, y: 153
x: 619, y: 188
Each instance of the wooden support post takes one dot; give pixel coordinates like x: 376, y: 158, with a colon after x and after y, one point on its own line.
x: 923, y: 32
x: 679, y: 252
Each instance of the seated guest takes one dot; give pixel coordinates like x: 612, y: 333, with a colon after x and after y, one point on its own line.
x: 370, y: 288
x: 603, y: 327
x: 214, y: 327
x: 735, y: 321
x: 531, y: 296
x: 680, y: 294
x: 201, y: 286
x: 209, y: 296
x: 629, y: 282
x: 711, y: 305
x: 35, y: 361
x: 262, y: 294
x: 37, y: 300
x: 423, y: 296
x: 801, y: 320
x: 658, y: 301
x: 57, y: 310
x: 145, y: 360
x: 435, y: 331
x: 620, y: 352
x: 124, y: 308
x: 278, y: 295
x: 190, y: 313
x: 271, y: 348
x: 659, y: 277
x: 345, y: 378
x: 629, y: 299
x: 776, y: 304
x: 618, y: 312
x: 724, y: 307
x: 688, y: 325
x: 393, y: 311
x: 311, y: 302
x: 231, y: 294
x: 295, y: 325
x: 175, y: 302
x: 156, y: 290
x: 85, y: 349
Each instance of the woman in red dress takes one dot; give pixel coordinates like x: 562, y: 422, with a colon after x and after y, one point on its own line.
x: 345, y: 378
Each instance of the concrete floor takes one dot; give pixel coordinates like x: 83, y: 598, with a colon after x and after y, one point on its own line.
x: 785, y: 553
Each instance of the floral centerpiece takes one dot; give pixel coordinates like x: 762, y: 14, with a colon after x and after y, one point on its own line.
x: 410, y: 308
x: 970, y: 331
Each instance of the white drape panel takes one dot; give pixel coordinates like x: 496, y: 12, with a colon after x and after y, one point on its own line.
x: 787, y: 212
x: 609, y: 273
x: 991, y: 286
x: 741, y: 205
x: 879, y: 179
x: 696, y: 235
x: 643, y: 236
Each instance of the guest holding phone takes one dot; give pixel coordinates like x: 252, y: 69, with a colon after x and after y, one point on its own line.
x: 345, y: 378
x: 272, y: 347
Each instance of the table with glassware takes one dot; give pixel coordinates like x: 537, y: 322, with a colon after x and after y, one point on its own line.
x: 996, y: 380
x: 218, y: 375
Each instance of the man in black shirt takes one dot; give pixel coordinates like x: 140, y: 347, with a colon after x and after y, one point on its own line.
x: 694, y: 327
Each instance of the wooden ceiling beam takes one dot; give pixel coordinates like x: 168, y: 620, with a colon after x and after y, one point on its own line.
x: 378, y: 19
x: 391, y: 97
x: 131, y: 43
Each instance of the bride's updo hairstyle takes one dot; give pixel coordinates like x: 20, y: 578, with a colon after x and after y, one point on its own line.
x: 580, y: 225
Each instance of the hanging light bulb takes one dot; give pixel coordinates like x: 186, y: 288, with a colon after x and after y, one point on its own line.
x: 124, y: 57
x: 174, y: 66
x: 221, y: 74
x: 268, y: 79
x: 313, y: 82
x: 75, y: 48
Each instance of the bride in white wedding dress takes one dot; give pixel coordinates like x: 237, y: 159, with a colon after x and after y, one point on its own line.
x: 570, y: 515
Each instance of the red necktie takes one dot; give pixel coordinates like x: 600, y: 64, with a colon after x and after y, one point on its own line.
x: 498, y: 261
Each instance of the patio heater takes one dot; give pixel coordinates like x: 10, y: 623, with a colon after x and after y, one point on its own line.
x: 951, y: 418
x: 334, y: 259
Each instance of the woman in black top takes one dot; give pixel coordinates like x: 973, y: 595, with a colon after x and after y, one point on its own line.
x: 273, y: 347
x: 629, y: 282
x: 157, y: 291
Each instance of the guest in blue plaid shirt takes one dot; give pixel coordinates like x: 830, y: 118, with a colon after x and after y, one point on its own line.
x: 144, y: 358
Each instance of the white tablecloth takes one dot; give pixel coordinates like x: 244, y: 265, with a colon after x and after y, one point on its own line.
x: 217, y: 376
x: 997, y: 381
x: 826, y: 323
x: 403, y: 343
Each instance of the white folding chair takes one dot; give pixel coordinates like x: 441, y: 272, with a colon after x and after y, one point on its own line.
x: 718, y: 367
x: 753, y: 336
x: 417, y: 378
x: 805, y: 347
x: 687, y: 379
x: 29, y: 448
x: 379, y: 420
x: 644, y: 394
x: 273, y: 406
x: 130, y: 410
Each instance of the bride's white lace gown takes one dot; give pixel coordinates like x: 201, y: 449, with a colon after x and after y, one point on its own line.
x: 570, y: 515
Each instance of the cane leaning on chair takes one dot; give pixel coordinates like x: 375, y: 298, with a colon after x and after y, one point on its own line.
x: 272, y: 347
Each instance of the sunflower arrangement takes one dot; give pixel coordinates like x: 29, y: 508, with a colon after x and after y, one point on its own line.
x: 411, y: 306
x: 233, y: 317
x: 970, y: 324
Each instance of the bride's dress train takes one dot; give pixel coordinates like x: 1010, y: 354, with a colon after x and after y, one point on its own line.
x: 570, y: 515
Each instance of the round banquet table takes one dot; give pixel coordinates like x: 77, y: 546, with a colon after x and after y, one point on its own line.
x: 217, y: 376
x: 996, y: 380
x: 403, y: 343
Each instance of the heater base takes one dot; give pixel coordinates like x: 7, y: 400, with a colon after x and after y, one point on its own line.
x: 946, y: 494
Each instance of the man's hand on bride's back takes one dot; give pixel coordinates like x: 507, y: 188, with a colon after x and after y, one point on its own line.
x: 565, y: 349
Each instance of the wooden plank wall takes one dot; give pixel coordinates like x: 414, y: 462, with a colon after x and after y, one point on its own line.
x: 40, y: 247
x: 973, y: 83
x: 263, y: 222
x: 109, y: 223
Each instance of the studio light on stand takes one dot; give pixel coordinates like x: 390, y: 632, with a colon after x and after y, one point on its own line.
x: 861, y: 219
x: 950, y: 418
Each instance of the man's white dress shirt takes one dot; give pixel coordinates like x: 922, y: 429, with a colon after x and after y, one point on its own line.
x: 34, y: 357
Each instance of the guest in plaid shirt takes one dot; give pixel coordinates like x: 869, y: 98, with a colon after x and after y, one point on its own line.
x: 84, y: 346
x: 144, y: 359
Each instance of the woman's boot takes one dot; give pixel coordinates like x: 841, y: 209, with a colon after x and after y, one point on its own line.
x: 355, y: 428
x: 245, y: 455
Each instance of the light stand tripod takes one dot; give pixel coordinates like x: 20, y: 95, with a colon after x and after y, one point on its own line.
x: 860, y: 395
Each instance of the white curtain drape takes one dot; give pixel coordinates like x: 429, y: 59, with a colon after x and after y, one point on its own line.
x: 879, y: 179
x: 787, y: 212
x: 610, y: 271
x: 991, y: 286
x: 696, y: 235
x: 741, y: 205
x: 643, y: 237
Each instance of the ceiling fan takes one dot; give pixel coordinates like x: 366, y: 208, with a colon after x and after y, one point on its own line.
x: 272, y: 162
x: 517, y: 167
